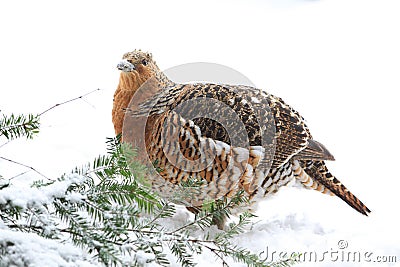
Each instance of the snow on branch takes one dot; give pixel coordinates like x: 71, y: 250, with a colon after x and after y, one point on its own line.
x: 101, y: 215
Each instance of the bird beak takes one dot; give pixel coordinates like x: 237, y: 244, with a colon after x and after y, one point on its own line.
x: 125, y: 66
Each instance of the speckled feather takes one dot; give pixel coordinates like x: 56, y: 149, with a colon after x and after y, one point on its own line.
x: 178, y: 161
x: 241, y: 161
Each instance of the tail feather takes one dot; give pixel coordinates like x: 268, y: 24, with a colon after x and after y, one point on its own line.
x: 323, y: 179
x: 307, y: 181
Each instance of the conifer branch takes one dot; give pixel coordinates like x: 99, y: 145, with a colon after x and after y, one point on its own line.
x: 103, y: 208
x: 16, y: 126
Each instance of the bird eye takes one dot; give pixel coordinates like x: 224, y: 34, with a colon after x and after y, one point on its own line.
x: 144, y: 62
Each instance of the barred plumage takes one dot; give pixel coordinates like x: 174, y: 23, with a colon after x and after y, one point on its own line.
x: 253, y: 141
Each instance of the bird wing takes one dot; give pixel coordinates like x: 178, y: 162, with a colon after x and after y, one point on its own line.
x: 314, y: 151
x: 184, y: 154
x: 242, y: 116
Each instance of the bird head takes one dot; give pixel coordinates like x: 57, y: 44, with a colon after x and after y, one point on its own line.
x: 139, y: 63
x: 136, y: 68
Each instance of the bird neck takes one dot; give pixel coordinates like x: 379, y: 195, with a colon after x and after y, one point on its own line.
x: 163, y: 80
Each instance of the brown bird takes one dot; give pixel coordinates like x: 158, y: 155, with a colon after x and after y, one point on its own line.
x: 228, y: 137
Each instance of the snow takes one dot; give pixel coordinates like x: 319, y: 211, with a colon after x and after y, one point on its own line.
x: 336, y: 61
x: 142, y: 257
x: 25, y: 196
x: 74, y: 197
x: 31, y: 250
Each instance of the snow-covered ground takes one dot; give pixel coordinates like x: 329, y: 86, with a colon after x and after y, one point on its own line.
x: 336, y: 61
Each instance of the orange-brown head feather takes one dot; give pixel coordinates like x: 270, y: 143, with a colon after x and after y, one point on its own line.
x: 136, y: 69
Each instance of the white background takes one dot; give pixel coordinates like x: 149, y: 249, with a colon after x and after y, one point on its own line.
x: 335, y: 61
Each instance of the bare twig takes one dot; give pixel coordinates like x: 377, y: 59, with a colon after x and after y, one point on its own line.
x: 26, y: 166
x: 216, y: 253
x: 40, y: 114
x: 15, y: 176
x: 68, y: 101
x: 5, y: 144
